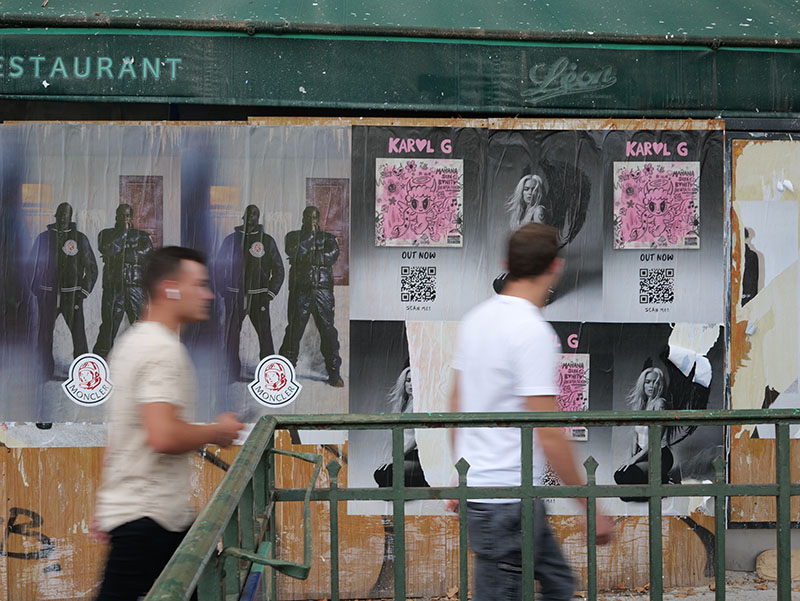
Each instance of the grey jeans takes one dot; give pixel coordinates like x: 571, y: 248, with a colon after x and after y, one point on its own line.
x: 495, y: 536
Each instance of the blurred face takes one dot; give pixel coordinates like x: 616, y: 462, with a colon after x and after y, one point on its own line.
x: 63, y: 216
x: 125, y: 216
x: 650, y: 384
x: 311, y: 218
x: 409, y: 390
x: 251, y: 216
x: 527, y: 190
x: 195, y: 299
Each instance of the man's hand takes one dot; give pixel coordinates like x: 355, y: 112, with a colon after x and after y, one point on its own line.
x: 451, y: 505
x: 605, y: 529
x: 96, y: 534
x: 604, y: 525
x: 167, y: 433
x: 228, y: 428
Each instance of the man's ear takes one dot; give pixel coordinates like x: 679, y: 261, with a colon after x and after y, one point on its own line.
x: 557, y: 266
x: 168, y: 289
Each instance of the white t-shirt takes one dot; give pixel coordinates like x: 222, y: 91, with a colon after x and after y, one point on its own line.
x: 148, y: 365
x: 506, y: 352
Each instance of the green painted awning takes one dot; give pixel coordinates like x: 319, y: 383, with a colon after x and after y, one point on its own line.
x: 685, y: 58
x: 764, y: 20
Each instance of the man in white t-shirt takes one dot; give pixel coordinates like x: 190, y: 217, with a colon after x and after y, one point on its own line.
x: 506, y: 361
x: 143, y: 504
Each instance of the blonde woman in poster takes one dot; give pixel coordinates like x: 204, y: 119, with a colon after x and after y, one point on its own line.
x: 526, y: 204
x: 646, y: 395
x: 401, y: 400
x: 689, y: 376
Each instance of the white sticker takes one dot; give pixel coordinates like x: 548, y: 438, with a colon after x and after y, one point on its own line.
x: 275, y: 383
x: 88, y: 384
x: 257, y: 250
x: 70, y: 248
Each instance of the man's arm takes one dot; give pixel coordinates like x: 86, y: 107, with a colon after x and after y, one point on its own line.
x: 557, y: 449
x: 330, y: 252
x: 144, y: 247
x: 167, y: 433
x: 454, y: 409
x: 108, y: 244
x: 558, y: 452
x: 90, y: 265
x: 452, y: 504
x: 276, y: 274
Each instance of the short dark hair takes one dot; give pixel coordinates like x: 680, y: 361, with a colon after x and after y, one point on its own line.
x: 164, y: 263
x: 531, y: 250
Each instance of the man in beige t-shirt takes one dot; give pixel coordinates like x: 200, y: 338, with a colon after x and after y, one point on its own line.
x: 143, y: 505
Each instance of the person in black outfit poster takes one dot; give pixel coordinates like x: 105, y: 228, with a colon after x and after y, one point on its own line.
x: 752, y: 278
x: 249, y: 275
x: 312, y: 254
x: 124, y: 250
x: 64, y: 273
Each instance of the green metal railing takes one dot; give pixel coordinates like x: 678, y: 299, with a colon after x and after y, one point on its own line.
x: 241, y: 513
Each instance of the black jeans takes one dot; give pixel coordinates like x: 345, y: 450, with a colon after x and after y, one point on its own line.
x: 495, y: 536
x: 139, y: 552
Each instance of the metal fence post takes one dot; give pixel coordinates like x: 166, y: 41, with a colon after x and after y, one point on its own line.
x: 526, y: 506
x: 333, y: 472
x: 784, y: 511
x: 591, y: 528
x: 654, y: 433
x: 398, y: 500
x: 719, y: 529
x: 462, y: 466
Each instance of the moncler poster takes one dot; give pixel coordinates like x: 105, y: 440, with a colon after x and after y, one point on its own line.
x: 84, y: 204
x: 343, y: 258
x: 270, y: 208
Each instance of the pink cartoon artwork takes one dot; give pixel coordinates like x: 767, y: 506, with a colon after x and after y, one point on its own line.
x: 657, y: 205
x: 419, y: 202
x: 573, y: 381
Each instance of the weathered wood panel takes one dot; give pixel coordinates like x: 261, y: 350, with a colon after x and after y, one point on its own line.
x: 59, y: 486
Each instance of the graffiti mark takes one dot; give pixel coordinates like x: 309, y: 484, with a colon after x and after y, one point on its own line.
x: 25, y: 529
x: 707, y: 538
x: 214, y: 460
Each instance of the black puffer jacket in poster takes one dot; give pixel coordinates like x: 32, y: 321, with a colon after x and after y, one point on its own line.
x: 63, y: 261
x: 312, y: 255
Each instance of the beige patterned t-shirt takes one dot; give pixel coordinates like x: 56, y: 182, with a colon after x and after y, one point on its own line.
x: 148, y: 365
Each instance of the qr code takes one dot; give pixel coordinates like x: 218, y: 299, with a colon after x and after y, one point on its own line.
x: 656, y: 286
x: 417, y: 284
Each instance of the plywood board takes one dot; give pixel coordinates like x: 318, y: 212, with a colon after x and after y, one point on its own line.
x: 59, y: 486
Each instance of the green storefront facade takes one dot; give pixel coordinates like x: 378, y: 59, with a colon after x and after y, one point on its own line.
x: 99, y: 60
x: 603, y: 59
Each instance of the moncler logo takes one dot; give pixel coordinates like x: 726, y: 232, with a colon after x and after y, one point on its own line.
x: 88, y: 384
x: 257, y: 250
x: 275, y: 383
x: 70, y: 248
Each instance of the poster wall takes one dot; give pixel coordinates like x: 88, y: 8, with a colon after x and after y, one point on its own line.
x: 342, y: 260
x: 641, y: 218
